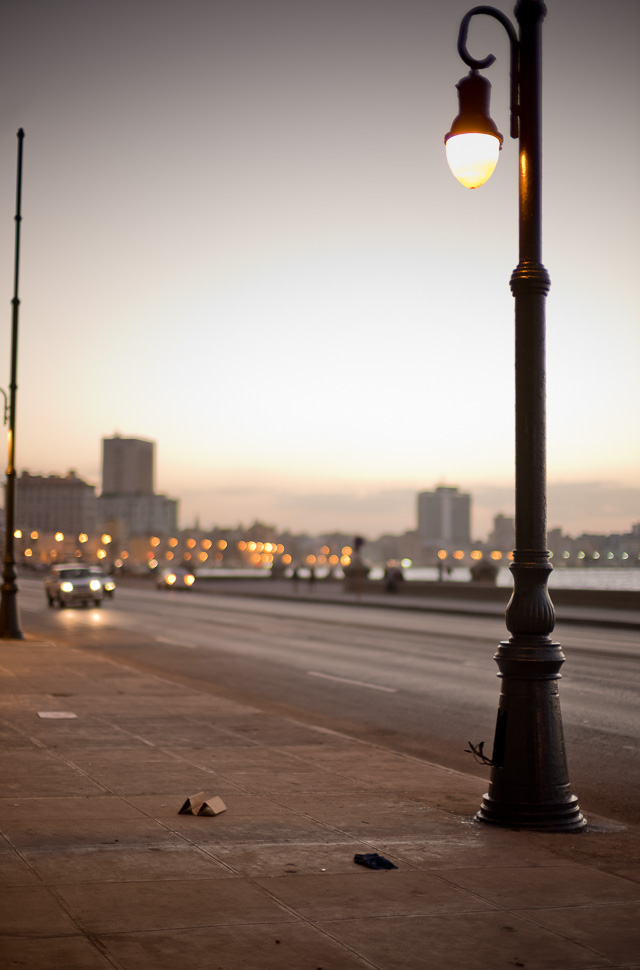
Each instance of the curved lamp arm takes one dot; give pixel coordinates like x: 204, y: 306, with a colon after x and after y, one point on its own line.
x: 479, y: 65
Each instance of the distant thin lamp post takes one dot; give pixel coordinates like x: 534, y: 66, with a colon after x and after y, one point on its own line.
x: 9, y: 619
x: 529, y: 786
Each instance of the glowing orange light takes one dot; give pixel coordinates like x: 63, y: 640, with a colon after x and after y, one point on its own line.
x: 173, y: 543
x: 222, y: 544
x: 286, y: 559
x: 191, y: 543
x: 325, y: 550
x: 203, y: 556
x: 168, y: 555
x: 345, y: 560
x: 496, y: 555
x: 458, y: 554
x: 155, y: 541
x: 346, y: 550
x: 334, y: 560
x: 206, y: 543
x: 279, y: 548
x: 476, y: 554
x: 106, y: 539
x: 241, y: 546
x: 442, y: 553
x: 83, y: 537
x: 101, y: 553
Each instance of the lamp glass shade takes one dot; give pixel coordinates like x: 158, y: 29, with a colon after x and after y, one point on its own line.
x: 472, y: 157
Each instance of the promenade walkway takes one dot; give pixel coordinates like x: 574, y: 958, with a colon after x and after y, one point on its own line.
x: 98, y: 870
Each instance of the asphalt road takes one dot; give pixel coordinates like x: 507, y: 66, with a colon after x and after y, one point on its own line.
x: 419, y: 682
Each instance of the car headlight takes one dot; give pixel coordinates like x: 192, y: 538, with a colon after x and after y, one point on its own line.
x: 109, y: 586
x: 189, y: 580
x: 95, y: 585
x: 170, y: 579
x: 66, y: 587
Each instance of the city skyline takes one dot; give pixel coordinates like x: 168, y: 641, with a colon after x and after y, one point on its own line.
x: 568, y: 500
x: 241, y: 239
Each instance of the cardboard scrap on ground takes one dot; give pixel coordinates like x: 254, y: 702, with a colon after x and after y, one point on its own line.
x: 196, y: 805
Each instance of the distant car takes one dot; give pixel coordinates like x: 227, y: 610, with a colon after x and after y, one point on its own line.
x: 67, y: 585
x: 108, y: 582
x: 176, y: 578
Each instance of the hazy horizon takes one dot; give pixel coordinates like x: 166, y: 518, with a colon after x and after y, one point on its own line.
x: 241, y: 240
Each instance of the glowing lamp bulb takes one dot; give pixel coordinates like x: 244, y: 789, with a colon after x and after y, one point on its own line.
x: 474, y: 141
x: 472, y: 157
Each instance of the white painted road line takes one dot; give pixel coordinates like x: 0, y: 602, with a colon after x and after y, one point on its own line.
x: 357, y: 683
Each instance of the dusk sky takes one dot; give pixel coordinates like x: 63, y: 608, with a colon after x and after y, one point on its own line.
x: 241, y: 239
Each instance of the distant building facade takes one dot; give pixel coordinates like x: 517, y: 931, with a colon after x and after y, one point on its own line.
x: 128, y: 466
x: 503, y: 536
x: 55, y: 503
x: 128, y: 506
x: 444, y: 518
x: 137, y: 515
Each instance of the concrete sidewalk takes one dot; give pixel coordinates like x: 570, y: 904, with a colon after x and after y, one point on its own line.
x: 100, y: 871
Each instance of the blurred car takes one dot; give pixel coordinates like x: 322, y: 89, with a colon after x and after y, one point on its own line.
x: 108, y: 582
x: 67, y: 585
x: 176, y: 578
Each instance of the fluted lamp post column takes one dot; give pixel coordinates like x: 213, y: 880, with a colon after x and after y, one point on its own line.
x: 529, y: 785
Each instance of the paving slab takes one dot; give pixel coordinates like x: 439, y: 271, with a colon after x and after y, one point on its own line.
x: 63, y: 952
x: 98, y: 864
x: 482, y: 941
x: 113, y: 907
x: 277, y: 946
x: 610, y: 930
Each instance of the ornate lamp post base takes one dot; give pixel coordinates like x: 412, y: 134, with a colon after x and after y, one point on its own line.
x: 529, y: 786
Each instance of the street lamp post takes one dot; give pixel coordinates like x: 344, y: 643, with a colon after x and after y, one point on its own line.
x: 529, y: 785
x: 9, y: 620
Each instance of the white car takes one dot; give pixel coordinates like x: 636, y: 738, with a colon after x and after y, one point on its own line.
x: 70, y: 584
x: 175, y: 578
x: 108, y: 582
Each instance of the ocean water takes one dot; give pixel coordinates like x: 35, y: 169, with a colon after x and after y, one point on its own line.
x: 561, y: 578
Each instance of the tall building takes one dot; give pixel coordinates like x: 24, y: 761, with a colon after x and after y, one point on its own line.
x: 128, y: 505
x: 127, y: 466
x: 503, y: 535
x: 54, y: 503
x: 444, y: 518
